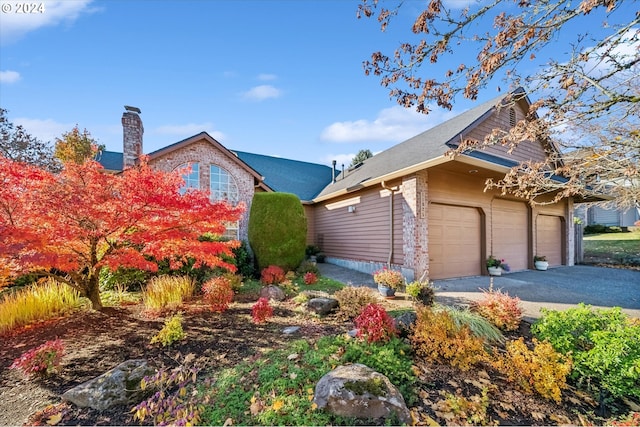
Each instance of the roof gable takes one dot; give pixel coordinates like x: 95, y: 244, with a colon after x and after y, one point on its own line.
x: 423, y: 150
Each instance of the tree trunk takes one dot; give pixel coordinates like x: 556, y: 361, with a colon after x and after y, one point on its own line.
x: 93, y: 292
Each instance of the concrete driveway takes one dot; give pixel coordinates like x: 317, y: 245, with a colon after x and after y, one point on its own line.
x: 557, y: 289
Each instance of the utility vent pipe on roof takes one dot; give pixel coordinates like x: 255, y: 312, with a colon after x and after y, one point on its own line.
x: 333, y: 172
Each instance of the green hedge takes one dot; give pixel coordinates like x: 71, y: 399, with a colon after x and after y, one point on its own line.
x: 277, y: 230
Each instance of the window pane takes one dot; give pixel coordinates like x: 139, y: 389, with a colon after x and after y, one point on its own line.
x: 222, y: 185
x: 191, y: 179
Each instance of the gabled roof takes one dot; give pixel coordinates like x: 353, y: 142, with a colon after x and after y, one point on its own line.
x: 424, y: 150
x: 303, y: 179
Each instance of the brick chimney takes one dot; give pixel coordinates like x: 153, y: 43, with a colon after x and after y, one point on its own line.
x: 132, y: 131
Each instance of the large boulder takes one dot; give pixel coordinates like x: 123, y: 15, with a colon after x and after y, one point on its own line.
x: 272, y: 292
x: 322, y: 306
x: 359, y: 391
x: 119, y: 386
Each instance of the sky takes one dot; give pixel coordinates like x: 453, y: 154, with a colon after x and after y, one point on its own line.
x: 281, y: 78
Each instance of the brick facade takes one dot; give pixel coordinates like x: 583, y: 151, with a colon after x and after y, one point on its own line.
x: 414, y: 224
x: 131, y: 137
x: 206, y: 154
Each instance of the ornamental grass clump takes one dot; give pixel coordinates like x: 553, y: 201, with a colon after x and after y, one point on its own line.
x: 38, y: 302
x: 167, y: 292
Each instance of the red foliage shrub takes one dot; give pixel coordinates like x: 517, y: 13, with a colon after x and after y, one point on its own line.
x: 310, y: 278
x: 375, y: 324
x: 218, y: 293
x: 500, y: 309
x: 42, y: 360
x: 272, y: 275
x: 261, y: 311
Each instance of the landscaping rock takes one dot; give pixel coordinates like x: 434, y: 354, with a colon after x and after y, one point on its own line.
x: 272, y: 292
x: 290, y: 330
x: 405, y: 322
x: 120, y: 385
x: 315, y: 294
x: 322, y: 306
x: 359, y: 391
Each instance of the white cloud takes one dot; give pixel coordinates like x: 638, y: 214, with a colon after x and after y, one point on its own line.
x: 266, y: 77
x: 189, y: 129
x: 9, y: 76
x: 15, y: 25
x: 45, y: 130
x: 394, y: 124
x: 260, y: 93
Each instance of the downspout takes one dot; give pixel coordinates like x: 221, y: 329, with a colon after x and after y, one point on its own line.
x: 392, y: 190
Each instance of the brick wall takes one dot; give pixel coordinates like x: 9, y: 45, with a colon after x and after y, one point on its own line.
x: 414, y: 223
x: 131, y: 138
x: 206, y: 154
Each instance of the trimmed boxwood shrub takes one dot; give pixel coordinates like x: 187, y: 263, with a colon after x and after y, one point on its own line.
x: 277, y: 230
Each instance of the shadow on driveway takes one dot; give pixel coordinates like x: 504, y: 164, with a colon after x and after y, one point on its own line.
x: 558, y: 288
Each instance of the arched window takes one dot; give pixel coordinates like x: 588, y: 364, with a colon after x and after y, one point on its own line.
x: 512, y: 117
x: 192, y: 178
x: 223, y: 187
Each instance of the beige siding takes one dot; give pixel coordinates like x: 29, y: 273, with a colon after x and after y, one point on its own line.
x: 363, y: 233
x: 527, y: 150
x: 311, y: 232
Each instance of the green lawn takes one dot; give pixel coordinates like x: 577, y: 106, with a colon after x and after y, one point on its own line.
x: 617, y: 248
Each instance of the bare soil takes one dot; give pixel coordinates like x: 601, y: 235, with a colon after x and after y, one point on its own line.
x: 98, y: 341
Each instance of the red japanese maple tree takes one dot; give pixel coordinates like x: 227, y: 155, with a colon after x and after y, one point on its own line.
x: 70, y: 225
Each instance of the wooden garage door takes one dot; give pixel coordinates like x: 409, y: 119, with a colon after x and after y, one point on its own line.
x: 549, y: 238
x: 454, y: 241
x: 510, y: 233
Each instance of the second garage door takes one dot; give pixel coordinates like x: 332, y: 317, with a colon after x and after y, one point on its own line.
x: 454, y: 241
x: 510, y: 233
x: 549, y: 238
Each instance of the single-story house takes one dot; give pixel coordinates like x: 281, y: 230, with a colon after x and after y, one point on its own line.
x: 412, y: 206
x: 592, y: 214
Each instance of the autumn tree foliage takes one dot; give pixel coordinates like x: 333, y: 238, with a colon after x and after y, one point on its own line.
x: 585, y: 92
x: 70, y: 225
x: 76, y: 146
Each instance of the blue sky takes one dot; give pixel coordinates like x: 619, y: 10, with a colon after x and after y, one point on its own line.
x: 281, y: 78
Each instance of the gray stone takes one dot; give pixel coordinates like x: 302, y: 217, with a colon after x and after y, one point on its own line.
x: 359, y: 391
x: 322, y: 306
x: 272, y: 292
x: 353, y: 333
x: 405, y: 322
x: 119, y: 386
x: 290, y: 330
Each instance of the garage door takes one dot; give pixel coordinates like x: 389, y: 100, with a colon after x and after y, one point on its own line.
x: 454, y: 241
x: 549, y: 238
x: 510, y: 233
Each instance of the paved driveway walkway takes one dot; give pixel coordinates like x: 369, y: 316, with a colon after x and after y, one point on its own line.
x: 557, y: 288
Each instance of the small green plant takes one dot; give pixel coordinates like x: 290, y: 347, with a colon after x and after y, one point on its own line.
x: 374, y: 324
x: 352, y: 300
x: 167, y: 292
x: 465, y: 411
x: 218, y: 293
x: 261, y: 311
x: 421, y: 291
x: 497, y: 263
x: 307, y: 267
x: 42, y: 360
x: 542, y: 369
x: 171, y: 332
x: 502, y: 310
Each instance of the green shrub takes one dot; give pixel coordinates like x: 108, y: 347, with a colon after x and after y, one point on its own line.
x: 308, y: 267
x: 352, y: 300
x: 277, y: 230
x: 422, y: 292
x: 604, y: 344
x: 171, y: 332
x: 124, y: 279
x: 600, y: 228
